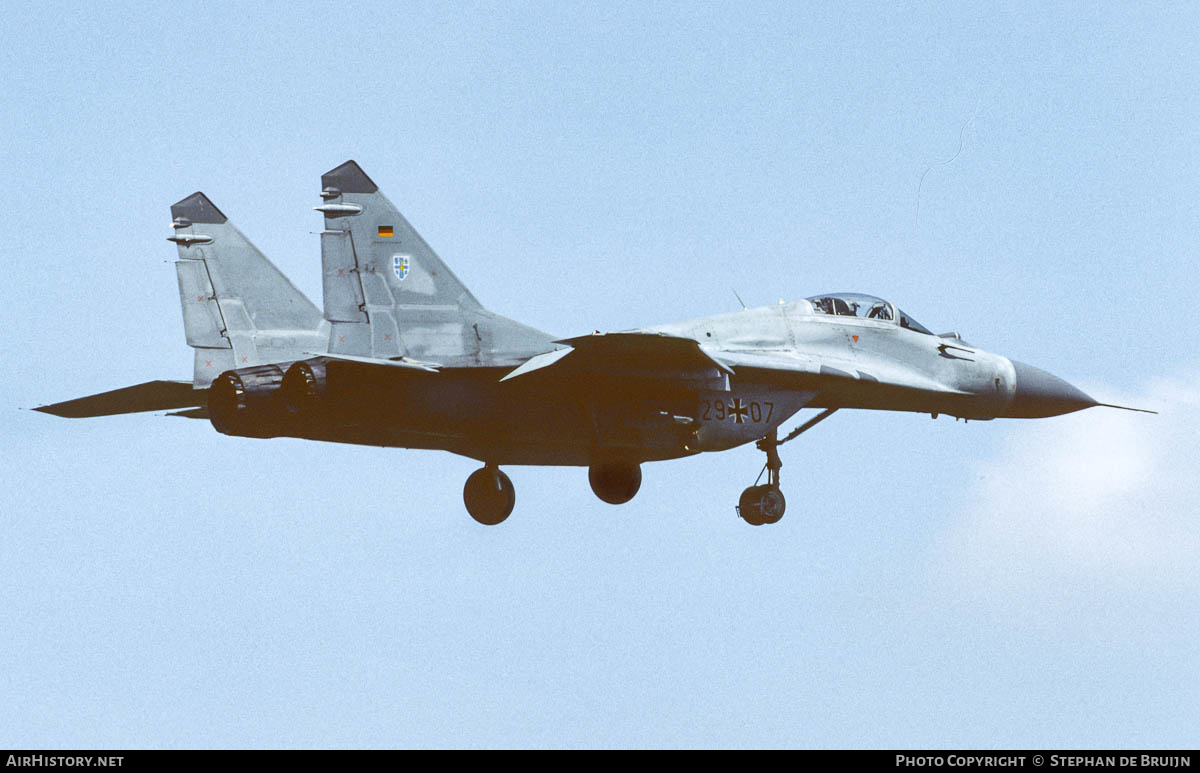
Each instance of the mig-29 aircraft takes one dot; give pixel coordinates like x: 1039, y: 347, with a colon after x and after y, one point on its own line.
x: 403, y: 355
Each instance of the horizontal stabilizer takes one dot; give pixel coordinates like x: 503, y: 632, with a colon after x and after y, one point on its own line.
x: 151, y: 396
x: 391, y: 362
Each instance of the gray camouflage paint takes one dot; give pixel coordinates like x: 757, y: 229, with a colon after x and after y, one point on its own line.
x: 238, y: 308
x: 494, y: 389
x: 422, y: 311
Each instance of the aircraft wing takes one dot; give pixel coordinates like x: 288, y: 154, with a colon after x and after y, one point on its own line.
x: 150, y: 396
x: 628, y: 354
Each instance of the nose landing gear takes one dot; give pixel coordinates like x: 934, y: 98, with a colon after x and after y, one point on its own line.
x: 760, y: 505
x: 764, y: 504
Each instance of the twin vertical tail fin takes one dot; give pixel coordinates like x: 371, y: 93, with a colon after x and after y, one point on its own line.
x: 388, y: 294
x: 239, y: 310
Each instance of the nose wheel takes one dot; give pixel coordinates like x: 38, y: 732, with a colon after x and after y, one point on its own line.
x: 759, y: 505
x: 762, y: 504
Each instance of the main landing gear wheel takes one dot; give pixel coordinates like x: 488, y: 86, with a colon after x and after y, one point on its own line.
x: 762, y: 504
x: 614, y: 481
x: 489, y: 495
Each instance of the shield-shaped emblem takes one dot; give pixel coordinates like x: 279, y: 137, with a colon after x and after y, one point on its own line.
x: 400, y: 266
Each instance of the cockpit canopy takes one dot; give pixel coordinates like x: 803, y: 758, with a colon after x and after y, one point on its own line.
x: 864, y: 307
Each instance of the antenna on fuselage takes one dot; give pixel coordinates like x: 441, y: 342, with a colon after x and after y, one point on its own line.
x: 735, y: 295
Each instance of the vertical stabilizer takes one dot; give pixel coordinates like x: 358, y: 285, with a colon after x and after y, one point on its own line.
x: 238, y: 308
x: 388, y: 294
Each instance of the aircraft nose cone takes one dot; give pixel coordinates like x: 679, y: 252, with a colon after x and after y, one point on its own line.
x: 1040, y: 394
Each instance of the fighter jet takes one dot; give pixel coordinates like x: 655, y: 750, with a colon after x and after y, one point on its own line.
x: 403, y: 355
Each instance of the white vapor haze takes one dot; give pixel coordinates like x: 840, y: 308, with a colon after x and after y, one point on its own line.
x: 1098, y: 497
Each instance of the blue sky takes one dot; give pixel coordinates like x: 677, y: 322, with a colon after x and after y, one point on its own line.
x: 607, y: 166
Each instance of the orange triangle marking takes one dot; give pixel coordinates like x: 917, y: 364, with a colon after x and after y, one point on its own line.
x: 855, y: 338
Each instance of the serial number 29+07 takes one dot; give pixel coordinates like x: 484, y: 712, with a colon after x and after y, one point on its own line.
x: 736, y: 410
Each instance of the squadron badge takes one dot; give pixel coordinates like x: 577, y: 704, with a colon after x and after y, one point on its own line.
x: 400, y: 266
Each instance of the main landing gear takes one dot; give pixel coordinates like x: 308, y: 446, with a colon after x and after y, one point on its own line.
x: 759, y: 505
x: 489, y: 495
x: 615, y: 481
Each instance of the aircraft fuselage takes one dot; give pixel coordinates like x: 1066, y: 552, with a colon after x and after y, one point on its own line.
x: 543, y: 419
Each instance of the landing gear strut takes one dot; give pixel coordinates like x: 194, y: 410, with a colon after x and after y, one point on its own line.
x: 766, y: 504
x: 489, y: 495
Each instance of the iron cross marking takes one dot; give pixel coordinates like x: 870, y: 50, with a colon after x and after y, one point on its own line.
x: 738, y: 410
